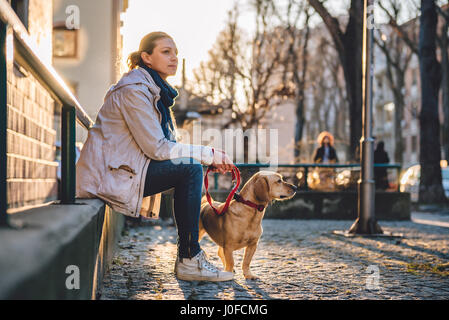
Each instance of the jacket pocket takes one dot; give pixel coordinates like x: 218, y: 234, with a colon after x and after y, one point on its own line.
x: 118, y: 184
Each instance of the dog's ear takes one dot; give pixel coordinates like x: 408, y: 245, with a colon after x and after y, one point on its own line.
x: 262, y: 189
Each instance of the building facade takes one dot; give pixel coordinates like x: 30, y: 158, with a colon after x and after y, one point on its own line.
x: 87, y: 49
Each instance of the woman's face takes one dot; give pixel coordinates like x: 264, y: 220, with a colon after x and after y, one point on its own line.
x: 164, y: 58
x: 326, y: 140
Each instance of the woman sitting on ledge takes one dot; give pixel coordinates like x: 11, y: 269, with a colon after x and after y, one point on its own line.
x: 131, y: 154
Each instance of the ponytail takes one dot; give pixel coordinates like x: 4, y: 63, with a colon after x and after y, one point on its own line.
x: 134, y: 60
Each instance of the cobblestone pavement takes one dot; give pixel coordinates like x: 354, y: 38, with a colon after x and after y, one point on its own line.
x: 296, y: 259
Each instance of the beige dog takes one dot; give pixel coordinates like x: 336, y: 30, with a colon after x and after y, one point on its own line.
x: 241, y: 225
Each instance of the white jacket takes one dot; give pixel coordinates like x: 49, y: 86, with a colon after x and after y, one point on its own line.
x: 127, y: 134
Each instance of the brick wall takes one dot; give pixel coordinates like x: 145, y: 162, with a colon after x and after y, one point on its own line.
x: 32, y: 169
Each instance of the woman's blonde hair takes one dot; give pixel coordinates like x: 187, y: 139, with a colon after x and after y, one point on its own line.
x: 147, y: 45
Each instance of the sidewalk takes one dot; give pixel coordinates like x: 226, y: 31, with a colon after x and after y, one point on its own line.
x: 296, y: 259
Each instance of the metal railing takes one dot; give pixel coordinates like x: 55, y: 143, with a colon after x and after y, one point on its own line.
x: 307, y: 166
x: 23, y: 51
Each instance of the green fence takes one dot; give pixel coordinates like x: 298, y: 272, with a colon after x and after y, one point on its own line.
x: 307, y: 166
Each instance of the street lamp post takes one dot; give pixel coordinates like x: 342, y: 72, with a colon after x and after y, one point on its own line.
x: 366, y: 222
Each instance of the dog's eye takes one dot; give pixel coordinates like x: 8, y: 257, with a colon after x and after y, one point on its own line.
x: 279, y: 181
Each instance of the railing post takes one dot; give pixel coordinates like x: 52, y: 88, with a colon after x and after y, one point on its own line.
x: 3, y: 125
x: 68, y: 154
x: 306, y: 174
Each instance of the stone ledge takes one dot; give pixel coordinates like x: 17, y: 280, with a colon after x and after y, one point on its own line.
x: 33, y: 260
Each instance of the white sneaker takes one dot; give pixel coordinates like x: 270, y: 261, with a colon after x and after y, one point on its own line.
x: 199, y: 269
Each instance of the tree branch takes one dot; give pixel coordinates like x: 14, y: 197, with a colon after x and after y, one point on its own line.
x: 399, y: 30
x: 331, y: 23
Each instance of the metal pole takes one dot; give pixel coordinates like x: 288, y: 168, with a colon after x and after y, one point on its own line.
x: 366, y: 222
x: 3, y: 126
x: 306, y: 174
x: 68, y: 173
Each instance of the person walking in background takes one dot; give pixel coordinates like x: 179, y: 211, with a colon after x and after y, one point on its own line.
x: 380, y: 174
x: 324, y: 178
x: 326, y: 152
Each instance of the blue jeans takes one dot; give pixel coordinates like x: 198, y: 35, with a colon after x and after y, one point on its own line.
x: 186, y: 176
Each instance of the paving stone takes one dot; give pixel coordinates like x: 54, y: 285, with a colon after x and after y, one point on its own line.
x: 296, y: 259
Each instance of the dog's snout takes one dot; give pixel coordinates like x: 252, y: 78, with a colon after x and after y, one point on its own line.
x: 295, y: 188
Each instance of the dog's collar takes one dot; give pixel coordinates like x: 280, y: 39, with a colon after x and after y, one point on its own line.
x: 239, y: 198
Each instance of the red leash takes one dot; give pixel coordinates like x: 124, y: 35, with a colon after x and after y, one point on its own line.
x: 235, y: 175
x: 232, y: 195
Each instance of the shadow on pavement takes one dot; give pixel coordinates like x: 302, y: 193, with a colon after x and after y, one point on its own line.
x: 223, y: 290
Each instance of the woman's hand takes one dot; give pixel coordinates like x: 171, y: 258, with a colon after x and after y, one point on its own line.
x: 221, y: 162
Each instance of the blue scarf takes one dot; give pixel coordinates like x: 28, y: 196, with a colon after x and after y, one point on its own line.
x: 165, y: 103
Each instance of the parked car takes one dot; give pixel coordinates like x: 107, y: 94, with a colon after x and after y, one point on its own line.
x: 410, y: 180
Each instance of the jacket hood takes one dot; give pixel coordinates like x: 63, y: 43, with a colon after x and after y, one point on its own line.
x: 135, y: 76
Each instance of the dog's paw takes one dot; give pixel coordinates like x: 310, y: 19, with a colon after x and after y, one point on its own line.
x: 250, y: 276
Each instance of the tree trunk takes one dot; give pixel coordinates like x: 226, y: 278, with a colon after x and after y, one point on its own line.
x: 398, y: 118
x: 299, y: 128
x: 349, y: 48
x: 398, y: 139
x: 353, y: 78
x: 352, y: 66
x: 430, y: 187
x: 445, y: 88
x: 301, y: 84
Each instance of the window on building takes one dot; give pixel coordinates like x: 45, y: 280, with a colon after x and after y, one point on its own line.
x: 21, y: 9
x: 65, y: 41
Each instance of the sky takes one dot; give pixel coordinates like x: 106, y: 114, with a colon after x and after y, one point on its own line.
x: 193, y: 24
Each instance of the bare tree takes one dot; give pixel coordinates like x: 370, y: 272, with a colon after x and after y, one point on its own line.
x: 325, y: 89
x: 348, y: 44
x: 410, y: 38
x: 244, y: 71
x: 398, y: 56
x: 296, y: 58
x: 430, y: 188
x: 215, y: 79
x: 432, y: 73
x: 442, y: 39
